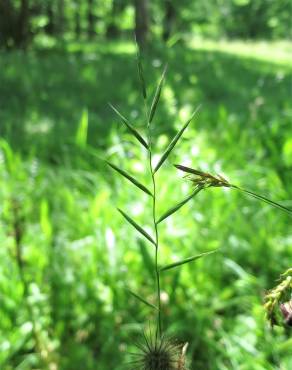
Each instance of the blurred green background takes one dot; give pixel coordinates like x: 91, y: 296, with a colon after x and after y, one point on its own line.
x: 66, y: 254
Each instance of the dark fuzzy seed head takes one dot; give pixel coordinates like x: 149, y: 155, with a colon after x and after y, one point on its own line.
x: 158, y: 354
x: 158, y: 359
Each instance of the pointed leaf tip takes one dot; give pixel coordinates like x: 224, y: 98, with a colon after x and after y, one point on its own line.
x: 157, y: 95
x: 141, y: 299
x: 179, y: 205
x: 141, y: 72
x: 133, y: 131
x: 137, y: 227
x: 130, y: 178
x: 186, y: 260
x: 174, y: 141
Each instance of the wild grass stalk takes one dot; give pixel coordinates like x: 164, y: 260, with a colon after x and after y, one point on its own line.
x: 157, y: 352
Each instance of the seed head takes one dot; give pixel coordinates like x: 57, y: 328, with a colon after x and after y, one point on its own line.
x: 156, y: 353
x: 203, y: 179
x: 278, y: 301
x: 286, y: 310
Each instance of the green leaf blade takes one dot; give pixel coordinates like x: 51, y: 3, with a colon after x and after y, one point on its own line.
x: 133, y: 131
x: 146, y: 258
x: 81, y: 135
x: 263, y: 199
x: 137, y: 227
x: 130, y: 178
x: 141, y: 299
x: 174, y: 141
x: 157, y: 96
x: 179, y: 205
x: 141, y: 72
x: 186, y: 260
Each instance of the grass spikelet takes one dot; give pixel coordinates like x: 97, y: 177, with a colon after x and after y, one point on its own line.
x: 277, y: 301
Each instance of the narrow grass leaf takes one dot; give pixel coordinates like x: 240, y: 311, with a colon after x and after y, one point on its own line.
x: 130, y: 127
x: 157, y: 96
x: 137, y: 227
x: 187, y: 260
x: 189, y: 170
x: 147, y: 260
x: 9, y: 156
x: 264, y: 199
x: 179, y: 205
x: 141, y: 299
x: 81, y: 135
x: 174, y: 285
x: 141, y: 73
x: 130, y: 178
x: 174, y: 141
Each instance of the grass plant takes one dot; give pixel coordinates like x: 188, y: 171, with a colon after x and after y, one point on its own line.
x: 78, y: 255
x: 158, y: 352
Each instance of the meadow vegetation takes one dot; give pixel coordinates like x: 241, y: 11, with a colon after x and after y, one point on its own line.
x: 58, y: 200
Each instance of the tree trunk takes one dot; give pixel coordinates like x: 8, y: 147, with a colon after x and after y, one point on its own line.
x: 77, y: 19
x: 112, y: 30
x: 50, y: 27
x: 8, y: 20
x: 21, y: 28
x: 142, y: 22
x: 169, y: 19
x: 90, y: 19
x: 61, y: 17
x: 14, y: 26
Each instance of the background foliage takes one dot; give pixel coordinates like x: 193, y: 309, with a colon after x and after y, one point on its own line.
x: 66, y: 254
x: 41, y: 21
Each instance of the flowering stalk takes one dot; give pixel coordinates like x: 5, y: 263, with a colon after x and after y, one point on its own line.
x: 278, y: 301
x: 159, y: 353
x: 154, y: 194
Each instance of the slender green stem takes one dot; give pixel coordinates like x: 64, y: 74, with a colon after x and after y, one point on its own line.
x: 155, y: 226
x: 157, y: 273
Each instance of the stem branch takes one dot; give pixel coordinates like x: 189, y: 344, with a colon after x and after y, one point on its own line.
x: 156, y: 239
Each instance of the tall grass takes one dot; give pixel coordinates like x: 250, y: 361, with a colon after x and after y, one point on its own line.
x: 79, y: 256
x: 158, y: 352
